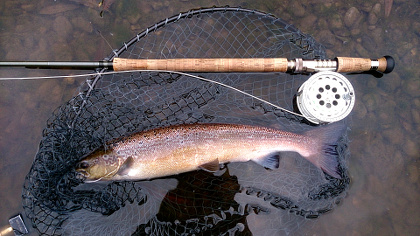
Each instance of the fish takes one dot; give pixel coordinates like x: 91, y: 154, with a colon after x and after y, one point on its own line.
x: 176, y: 149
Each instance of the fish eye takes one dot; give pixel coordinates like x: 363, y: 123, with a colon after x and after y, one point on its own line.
x: 83, y: 165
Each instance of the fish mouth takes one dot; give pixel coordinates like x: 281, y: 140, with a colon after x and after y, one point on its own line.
x: 83, y: 173
x: 81, y: 168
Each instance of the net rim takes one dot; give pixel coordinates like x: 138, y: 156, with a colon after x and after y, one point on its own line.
x: 191, y: 13
x: 92, y: 82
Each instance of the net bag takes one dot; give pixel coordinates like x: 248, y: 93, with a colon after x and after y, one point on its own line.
x: 244, y: 198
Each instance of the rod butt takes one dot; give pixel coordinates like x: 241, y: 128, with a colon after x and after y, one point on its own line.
x: 390, y: 64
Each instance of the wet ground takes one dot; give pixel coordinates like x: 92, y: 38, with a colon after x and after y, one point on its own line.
x: 383, y: 198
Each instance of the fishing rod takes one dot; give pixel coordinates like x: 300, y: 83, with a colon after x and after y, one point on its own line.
x: 339, y: 64
x: 312, y: 102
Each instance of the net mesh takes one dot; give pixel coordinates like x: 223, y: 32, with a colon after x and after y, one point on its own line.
x: 241, y: 200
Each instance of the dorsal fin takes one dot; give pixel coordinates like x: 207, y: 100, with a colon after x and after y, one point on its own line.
x: 212, y: 166
x: 126, y: 166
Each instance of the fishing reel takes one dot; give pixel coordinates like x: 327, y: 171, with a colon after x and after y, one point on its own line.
x: 325, y: 97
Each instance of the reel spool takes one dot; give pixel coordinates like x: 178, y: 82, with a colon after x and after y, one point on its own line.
x: 325, y: 97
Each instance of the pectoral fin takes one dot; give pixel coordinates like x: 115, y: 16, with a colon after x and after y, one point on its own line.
x: 212, y: 166
x: 271, y: 161
x: 126, y: 166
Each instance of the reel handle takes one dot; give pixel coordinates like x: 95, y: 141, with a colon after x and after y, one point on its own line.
x: 340, y: 64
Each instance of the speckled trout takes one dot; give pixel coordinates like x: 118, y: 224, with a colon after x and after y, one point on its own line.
x: 181, y: 148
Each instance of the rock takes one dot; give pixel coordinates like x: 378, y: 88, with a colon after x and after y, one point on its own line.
x: 352, y: 17
x: 412, y: 86
x: 368, y: 42
x: 29, y: 41
x: 297, y: 9
x: 371, y: 27
x: 390, y: 82
x: 134, y: 18
x: 355, y: 31
x: 69, y: 80
x: 308, y: 22
x: 62, y: 26
x: 396, y: 35
x: 14, y: 52
x: 362, y: 51
x: 82, y: 24
x: 376, y: 35
x: 382, y: 225
x: 372, y: 18
x: 416, y: 116
x: 62, y: 50
x: 366, y: 6
x: 322, y: 23
x: 371, y: 100
x: 386, y: 109
x: 376, y: 9
x: 335, y: 21
x: 416, y: 103
x: 145, y: 7
x: 57, y: 8
x: 412, y: 148
x: 360, y: 110
x: 29, y: 6
x: 412, y: 216
x: 29, y: 101
x: 327, y: 38
x: 411, y: 55
x: 394, y: 135
x: 372, y: 84
x: 416, y: 27
x: 413, y: 173
x: 404, y: 48
x: 45, y: 88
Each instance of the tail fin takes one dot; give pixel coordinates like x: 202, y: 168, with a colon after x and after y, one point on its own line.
x: 325, y: 155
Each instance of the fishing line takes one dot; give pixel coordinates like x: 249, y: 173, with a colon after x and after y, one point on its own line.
x: 103, y: 38
x: 164, y: 71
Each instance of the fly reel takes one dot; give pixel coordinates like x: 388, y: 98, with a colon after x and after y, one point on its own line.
x: 325, y: 97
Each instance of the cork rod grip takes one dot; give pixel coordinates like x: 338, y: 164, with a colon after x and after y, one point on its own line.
x: 204, y: 64
x: 350, y: 64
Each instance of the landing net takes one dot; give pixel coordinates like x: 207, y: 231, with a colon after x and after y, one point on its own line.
x: 245, y: 199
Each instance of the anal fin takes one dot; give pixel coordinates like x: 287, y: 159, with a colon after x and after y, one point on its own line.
x: 270, y: 161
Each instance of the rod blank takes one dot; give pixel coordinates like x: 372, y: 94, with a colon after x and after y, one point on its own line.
x: 57, y: 64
